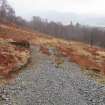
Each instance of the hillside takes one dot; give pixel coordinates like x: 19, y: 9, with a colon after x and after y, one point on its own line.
x: 88, y: 57
x: 58, y: 72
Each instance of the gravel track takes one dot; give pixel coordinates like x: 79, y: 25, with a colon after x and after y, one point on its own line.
x: 44, y: 84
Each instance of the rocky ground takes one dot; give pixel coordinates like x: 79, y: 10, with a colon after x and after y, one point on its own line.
x: 44, y: 83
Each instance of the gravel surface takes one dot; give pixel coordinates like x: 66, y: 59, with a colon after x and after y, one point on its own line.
x: 45, y: 84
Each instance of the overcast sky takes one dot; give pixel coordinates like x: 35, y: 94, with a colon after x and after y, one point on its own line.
x: 77, y: 6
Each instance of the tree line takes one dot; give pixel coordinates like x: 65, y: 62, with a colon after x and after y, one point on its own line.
x: 78, y: 32
x: 7, y: 14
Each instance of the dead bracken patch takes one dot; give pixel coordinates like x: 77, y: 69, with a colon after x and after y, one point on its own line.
x: 92, y: 59
x: 11, y: 57
x: 44, y: 50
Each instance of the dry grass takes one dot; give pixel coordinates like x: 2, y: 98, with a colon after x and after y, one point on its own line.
x: 11, y: 57
x: 87, y: 57
x: 99, y: 78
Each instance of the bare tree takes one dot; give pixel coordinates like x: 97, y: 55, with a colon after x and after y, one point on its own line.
x: 6, y: 11
x: 3, y: 5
